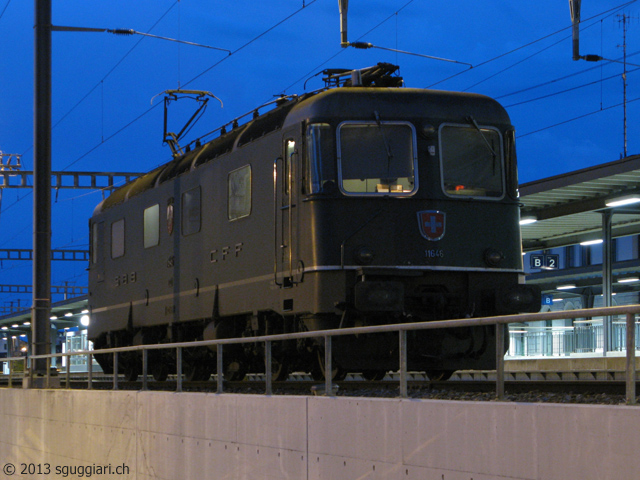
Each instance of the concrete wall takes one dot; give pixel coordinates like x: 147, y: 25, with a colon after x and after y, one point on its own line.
x: 159, y: 435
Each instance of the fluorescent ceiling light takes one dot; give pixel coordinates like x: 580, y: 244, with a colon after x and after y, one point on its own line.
x: 628, y: 280
x: 621, y: 201
x: 591, y: 242
x: 565, y: 287
x: 528, y: 220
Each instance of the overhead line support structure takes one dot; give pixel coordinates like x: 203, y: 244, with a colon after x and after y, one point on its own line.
x: 41, y: 306
x: 68, y: 180
x: 27, y: 254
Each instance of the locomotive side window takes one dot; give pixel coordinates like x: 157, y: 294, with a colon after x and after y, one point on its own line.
x: 239, y: 193
x: 117, y: 239
x: 472, y: 161
x: 377, y: 158
x: 319, y: 167
x: 152, y: 226
x: 97, y: 241
x: 191, y: 211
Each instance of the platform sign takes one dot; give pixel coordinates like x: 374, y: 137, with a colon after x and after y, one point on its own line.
x: 546, y: 261
x: 552, y: 261
x: 537, y: 261
x: 547, y: 299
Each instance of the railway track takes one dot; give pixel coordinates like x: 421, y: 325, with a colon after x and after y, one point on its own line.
x: 570, y: 391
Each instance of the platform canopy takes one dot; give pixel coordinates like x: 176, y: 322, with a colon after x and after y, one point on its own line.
x: 568, y: 208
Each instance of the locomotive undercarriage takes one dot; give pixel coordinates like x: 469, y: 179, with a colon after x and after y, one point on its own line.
x: 438, y: 352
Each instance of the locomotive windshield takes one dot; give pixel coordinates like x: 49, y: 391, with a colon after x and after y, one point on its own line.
x: 377, y: 158
x: 471, y: 161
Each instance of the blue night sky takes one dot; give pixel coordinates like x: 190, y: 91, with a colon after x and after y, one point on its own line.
x: 568, y: 114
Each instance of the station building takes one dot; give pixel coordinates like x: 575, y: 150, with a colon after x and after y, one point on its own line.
x: 580, y: 237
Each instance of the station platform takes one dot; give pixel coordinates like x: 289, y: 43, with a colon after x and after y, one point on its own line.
x: 145, y: 435
x: 573, y: 367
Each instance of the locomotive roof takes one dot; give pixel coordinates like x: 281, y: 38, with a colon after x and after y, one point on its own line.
x: 349, y: 103
x: 361, y: 102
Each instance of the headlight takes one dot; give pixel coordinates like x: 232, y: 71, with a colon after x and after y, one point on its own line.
x: 493, y: 257
x: 364, y: 256
x: 379, y: 296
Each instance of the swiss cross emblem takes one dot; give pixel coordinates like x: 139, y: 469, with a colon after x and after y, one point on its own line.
x: 431, y: 224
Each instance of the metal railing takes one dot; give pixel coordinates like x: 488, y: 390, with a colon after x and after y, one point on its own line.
x: 534, y: 341
x: 630, y: 311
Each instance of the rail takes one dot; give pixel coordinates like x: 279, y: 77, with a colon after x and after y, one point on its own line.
x: 630, y: 311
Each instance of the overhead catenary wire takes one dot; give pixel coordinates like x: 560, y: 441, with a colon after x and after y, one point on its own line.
x: 187, y: 83
x: 609, y: 12
x: 5, y: 8
x: 130, y: 31
x: 577, y: 118
x: 313, y: 72
x: 253, y: 40
x: 555, y: 80
x: 99, y: 83
x: 595, y: 82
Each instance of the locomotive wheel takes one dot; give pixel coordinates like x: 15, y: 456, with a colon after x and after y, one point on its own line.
x: 131, y: 372
x: 439, y: 375
x: 160, y: 372
x: 279, y: 370
x: 235, y: 371
x: 318, y: 371
x: 373, y: 375
x: 197, y: 373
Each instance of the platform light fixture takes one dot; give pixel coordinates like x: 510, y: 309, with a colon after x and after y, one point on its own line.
x: 596, y: 241
x: 528, y: 220
x: 565, y: 287
x: 628, y: 280
x: 622, y: 201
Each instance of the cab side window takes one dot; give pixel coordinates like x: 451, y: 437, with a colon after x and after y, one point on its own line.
x: 152, y: 226
x: 239, y: 193
x: 117, y: 239
x: 191, y: 215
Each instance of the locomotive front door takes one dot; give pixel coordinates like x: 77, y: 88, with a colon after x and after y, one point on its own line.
x: 288, y: 269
